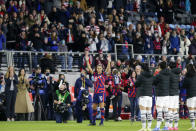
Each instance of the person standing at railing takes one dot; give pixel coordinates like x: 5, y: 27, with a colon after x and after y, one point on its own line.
x: 70, y: 41
x: 63, y: 57
x: 83, y: 64
x: 11, y: 81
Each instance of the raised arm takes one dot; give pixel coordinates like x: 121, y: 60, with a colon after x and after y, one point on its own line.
x: 108, y: 69
x: 88, y: 64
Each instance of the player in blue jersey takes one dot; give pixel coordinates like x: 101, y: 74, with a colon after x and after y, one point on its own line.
x: 99, y: 77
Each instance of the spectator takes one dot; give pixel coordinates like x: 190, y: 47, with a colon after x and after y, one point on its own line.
x: 165, y: 45
x: 37, y: 38
x: 138, y: 43
x: 62, y: 57
x: 47, y: 63
x: 23, y: 104
x: 148, y: 43
x: 53, y: 41
x: 92, y: 41
x: 53, y: 15
x: 192, y: 47
x: 103, y: 43
x: 11, y: 81
x: 111, y: 41
x: 175, y: 43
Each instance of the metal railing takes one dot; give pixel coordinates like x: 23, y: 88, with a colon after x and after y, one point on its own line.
x: 63, y: 61
x: 71, y: 61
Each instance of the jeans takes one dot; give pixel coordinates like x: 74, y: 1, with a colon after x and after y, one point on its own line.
x: 134, y: 107
x: 63, y: 61
x: 10, y: 104
x: 70, y: 61
x: 117, y: 104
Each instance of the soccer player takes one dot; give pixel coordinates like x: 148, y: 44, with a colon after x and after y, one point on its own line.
x: 174, y: 96
x: 144, y: 82
x: 99, y: 88
x: 189, y: 84
x: 162, y: 83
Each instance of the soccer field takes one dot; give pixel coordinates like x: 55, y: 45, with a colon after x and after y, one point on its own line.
x: 125, y: 125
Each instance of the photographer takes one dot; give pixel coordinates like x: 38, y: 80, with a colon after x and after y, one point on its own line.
x: 82, y: 83
x: 11, y: 81
x: 38, y: 86
x: 62, y: 102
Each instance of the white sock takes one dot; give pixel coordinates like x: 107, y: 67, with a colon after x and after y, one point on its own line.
x: 159, y: 117
x: 176, y: 119
x: 171, y: 119
x: 149, y: 118
x: 143, y: 118
x: 192, y: 118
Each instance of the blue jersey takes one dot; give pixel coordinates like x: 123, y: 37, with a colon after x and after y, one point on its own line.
x: 99, y: 83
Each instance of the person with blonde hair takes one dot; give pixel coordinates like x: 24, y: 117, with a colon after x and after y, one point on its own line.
x: 11, y: 81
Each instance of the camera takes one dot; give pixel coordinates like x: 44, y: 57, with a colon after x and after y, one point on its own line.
x: 61, y: 108
x: 38, y: 81
x: 116, y: 80
x: 85, y: 99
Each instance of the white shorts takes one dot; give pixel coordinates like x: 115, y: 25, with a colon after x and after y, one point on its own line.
x: 162, y: 101
x: 145, y: 101
x: 191, y: 102
x: 173, y: 102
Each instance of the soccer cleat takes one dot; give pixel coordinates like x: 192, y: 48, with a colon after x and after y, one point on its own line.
x: 171, y: 129
x: 143, y: 129
x: 165, y: 129
x: 119, y: 118
x: 8, y: 119
x: 12, y: 119
x: 175, y: 129
x: 100, y: 124
x: 112, y: 97
x: 156, y: 129
x: 92, y: 124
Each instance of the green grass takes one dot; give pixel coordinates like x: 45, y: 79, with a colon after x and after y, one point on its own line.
x: 124, y: 125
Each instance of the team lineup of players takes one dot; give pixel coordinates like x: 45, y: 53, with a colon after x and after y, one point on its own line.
x: 166, y: 83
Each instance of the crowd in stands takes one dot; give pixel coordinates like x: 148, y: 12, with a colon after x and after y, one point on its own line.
x: 86, y: 26
x: 74, y: 25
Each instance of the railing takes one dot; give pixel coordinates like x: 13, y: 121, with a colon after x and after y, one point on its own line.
x: 123, y: 51
x: 71, y: 61
x: 63, y: 61
x: 148, y: 58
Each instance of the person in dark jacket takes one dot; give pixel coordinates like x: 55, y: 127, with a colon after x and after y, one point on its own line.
x: 138, y: 44
x: 162, y: 83
x: 189, y: 84
x: 144, y: 82
x: 192, y: 47
x: 11, y: 81
x: 174, y: 96
x: 47, y: 62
